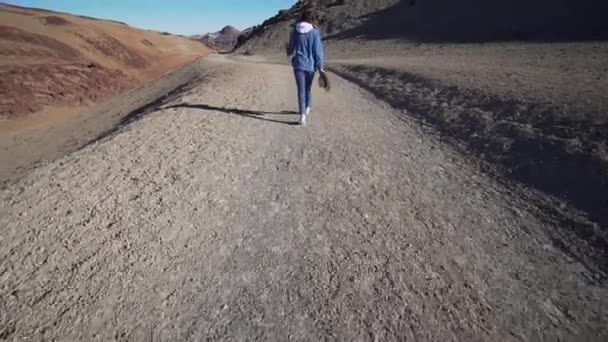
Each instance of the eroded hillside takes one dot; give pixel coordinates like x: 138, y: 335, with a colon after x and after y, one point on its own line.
x: 53, y: 62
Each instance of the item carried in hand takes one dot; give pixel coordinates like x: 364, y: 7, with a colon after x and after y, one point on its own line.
x: 324, y: 81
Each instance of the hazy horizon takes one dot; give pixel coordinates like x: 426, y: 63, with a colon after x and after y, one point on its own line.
x: 186, y: 17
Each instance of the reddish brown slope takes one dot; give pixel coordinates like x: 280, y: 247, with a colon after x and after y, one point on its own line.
x: 53, y: 62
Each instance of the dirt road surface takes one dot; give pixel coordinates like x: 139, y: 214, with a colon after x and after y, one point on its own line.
x: 213, y: 217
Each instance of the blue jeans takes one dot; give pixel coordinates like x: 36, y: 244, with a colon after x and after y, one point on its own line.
x: 304, y: 81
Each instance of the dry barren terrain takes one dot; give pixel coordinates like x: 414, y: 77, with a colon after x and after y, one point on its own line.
x: 450, y: 187
x: 209, y: 215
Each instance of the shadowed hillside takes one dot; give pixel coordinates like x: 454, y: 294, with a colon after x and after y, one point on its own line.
x: 485, y: 21
x: 440, y: 21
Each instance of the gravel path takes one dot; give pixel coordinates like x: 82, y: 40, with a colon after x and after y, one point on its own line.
x: 214, y: 218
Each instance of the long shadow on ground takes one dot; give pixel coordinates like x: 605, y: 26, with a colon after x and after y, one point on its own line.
x: 253, y: 114
x: 143, y: 110
x: 173, y: 95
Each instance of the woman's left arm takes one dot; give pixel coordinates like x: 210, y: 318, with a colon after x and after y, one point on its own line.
x: 319, y: 53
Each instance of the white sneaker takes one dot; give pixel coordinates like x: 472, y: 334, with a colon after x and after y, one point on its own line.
x: 307, y: 110
x: 302, y: 120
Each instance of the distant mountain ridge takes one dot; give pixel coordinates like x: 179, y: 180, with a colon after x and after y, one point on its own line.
x: 223, y: 41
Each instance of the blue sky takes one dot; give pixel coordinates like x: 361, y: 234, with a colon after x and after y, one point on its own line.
x: 176, y: 16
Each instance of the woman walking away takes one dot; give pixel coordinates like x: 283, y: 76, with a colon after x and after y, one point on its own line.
x: 306, y: 49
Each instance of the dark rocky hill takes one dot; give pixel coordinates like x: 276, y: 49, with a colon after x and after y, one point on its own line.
x: 438, y: 21
x: 223, y: 41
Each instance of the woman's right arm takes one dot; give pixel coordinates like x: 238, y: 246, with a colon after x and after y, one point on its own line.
x: 290, y: 45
